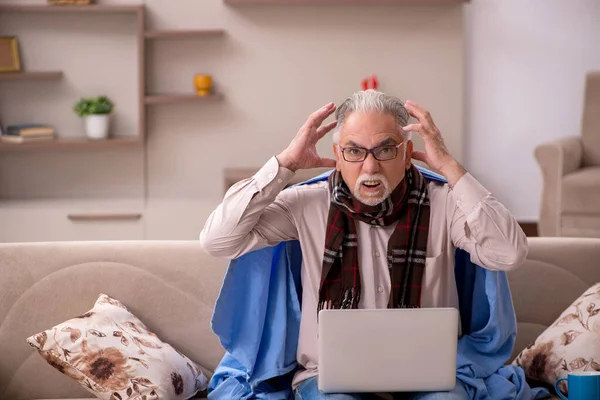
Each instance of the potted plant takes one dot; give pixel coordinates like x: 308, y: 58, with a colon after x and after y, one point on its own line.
x: 96, y: 114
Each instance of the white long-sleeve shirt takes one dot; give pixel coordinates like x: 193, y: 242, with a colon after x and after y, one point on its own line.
x: 257, y: 213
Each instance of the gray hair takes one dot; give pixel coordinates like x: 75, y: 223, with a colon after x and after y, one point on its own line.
x: 371, y: 100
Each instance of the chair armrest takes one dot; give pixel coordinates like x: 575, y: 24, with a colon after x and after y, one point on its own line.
x: 560, y: 157
x: 556, y: 159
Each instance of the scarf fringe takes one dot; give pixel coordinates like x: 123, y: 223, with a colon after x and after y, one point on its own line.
x: 348, y: 299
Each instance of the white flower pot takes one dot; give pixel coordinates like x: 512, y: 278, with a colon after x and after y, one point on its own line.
x: 96, y: 126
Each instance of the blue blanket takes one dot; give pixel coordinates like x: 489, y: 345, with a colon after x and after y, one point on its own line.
x: 257, y: 319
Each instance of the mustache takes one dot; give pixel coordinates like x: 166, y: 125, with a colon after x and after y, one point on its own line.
x: 376, y: 177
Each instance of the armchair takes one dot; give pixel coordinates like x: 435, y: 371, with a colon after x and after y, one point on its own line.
x: 570, y: 168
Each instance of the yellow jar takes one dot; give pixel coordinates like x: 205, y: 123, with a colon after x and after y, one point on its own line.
x: 203, y: 84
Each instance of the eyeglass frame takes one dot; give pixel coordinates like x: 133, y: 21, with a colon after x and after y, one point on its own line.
x: 372, y: 152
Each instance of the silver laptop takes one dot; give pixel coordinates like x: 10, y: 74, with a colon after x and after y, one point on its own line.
x: 389, y: 350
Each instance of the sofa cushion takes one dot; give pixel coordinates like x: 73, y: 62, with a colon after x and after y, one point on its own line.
x: 581, y: 191
x: 571, y: 343
x: 112, y: 354
x: 580, y: 225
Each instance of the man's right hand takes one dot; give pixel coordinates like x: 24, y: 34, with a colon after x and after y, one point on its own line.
x: 302, y: 151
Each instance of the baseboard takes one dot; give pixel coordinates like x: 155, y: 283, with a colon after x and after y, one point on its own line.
x: 530, y: 228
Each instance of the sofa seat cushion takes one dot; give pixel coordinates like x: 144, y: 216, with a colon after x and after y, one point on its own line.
x: 570, y: 344
x: 581, y: 191
x: 580, y: 225
x: 112, y: 354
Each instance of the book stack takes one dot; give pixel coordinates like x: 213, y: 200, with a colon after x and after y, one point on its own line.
x: 27, y: 133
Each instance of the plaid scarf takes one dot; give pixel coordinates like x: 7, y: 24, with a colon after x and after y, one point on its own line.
x: 409, y: 206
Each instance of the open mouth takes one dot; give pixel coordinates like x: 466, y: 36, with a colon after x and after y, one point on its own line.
x: 371, y: 185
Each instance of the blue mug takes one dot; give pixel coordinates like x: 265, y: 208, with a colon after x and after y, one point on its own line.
x: 583, y: 385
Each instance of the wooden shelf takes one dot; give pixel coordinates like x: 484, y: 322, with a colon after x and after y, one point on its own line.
x: 92, y: 8
x: 70, y: 144
x: 169, y: 98
x: 30, y: 75
x: 182, y: 34
x: 347, y: 2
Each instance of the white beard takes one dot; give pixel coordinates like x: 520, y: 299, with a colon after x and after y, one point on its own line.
x: 373, y: 199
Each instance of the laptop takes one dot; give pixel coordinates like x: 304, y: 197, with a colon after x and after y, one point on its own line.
x: 387, y: 350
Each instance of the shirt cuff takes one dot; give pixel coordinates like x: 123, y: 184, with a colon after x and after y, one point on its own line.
x: 273, y: 177
x: 468, y: 193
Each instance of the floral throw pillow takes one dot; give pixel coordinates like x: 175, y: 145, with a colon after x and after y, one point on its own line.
x: 113, y: 355
x: 571, y: 343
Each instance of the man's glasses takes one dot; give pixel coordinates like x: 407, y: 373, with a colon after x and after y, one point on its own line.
x: 380, y: 153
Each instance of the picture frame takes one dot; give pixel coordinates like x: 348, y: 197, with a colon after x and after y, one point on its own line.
x: 10, y: 59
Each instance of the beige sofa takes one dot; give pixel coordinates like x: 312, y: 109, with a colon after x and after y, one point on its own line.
x: 570, y: 166
x: 172, y: 286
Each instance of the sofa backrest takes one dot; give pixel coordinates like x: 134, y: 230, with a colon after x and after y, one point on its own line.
x: 557, y: 271
x: 171, y: 286
x: 590, y: 124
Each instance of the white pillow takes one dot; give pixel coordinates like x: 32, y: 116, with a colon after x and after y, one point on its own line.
x: 113, y: 355
x: 571, y: 343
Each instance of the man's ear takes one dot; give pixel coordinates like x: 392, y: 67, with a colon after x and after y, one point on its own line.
x: 336, y: 152
x: 409, y: 149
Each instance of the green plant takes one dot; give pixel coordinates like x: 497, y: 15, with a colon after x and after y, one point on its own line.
x: 93, y: 106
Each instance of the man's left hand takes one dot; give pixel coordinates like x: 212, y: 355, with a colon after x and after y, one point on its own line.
x: 436, y: 154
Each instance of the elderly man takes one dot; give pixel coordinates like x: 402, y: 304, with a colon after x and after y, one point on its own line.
x: 376, y: 211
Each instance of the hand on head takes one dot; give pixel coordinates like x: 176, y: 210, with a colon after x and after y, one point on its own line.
x: 302, y: 151
x: 436, y: 154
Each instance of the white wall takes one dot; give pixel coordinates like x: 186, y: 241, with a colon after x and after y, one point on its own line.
x: 526, y: 61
